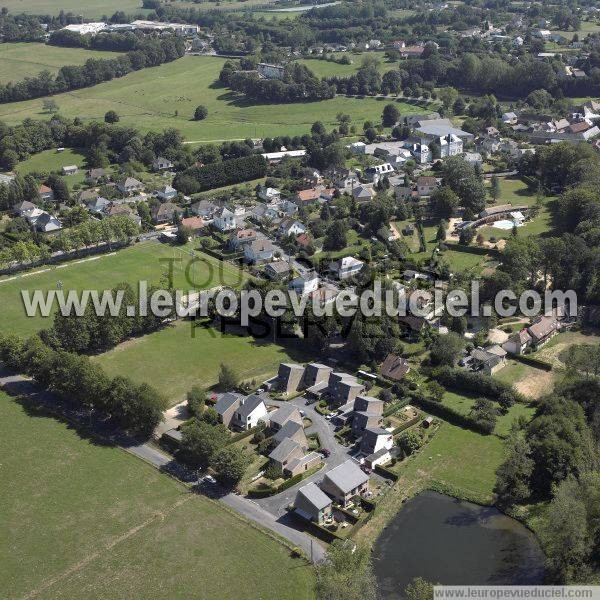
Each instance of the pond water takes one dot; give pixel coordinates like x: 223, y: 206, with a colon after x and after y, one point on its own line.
x: 452, y: 542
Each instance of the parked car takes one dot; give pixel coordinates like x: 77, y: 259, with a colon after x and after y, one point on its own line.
x: 325, y: 452
x: 208, y: 479
x: 366, y: 469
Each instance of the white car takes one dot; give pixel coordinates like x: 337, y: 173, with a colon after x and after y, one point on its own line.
x: 208, y: 479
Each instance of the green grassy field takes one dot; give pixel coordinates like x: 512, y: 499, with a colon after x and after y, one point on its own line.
x: 90, y: 9
x: 21, y: 60
x: 166, y: 96
x: 176, y: 358
x: 133, y: 264
x: 51, y: 160
x: 83, y: 520
x: 324, y: 68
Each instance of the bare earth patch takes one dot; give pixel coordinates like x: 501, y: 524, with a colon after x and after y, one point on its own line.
x: 535, y: 385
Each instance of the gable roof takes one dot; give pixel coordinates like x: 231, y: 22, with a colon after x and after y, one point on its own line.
x: 289, y: 430
x: 284, y: 449
x: 251, y: 403
x: 315, y: 496
x: 226, y: 401
x: 285, y: 413
x: 394, y: 367
x: 347, y: 476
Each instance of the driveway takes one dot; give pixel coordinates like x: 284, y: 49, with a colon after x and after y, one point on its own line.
x: 278, y: 504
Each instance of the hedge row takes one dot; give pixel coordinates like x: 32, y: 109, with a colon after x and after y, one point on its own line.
x: 533, y: 362
x: 288, y: 483
x: 448, y: 414
x: 406, y: 425
x: 242, y: 435
x: 480, y: 251
x: 476, y: 383
x: 393, y: 409
x: 385, y: 472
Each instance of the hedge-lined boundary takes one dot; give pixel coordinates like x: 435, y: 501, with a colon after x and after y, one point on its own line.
x: 472, y: 249
x: 532, y: 362
x: 406, y: 425
x: 385, y: 472
x: 288, y: 483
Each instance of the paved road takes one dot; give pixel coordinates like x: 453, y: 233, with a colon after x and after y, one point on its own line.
x: 277, y: 504
x: 18, y: 385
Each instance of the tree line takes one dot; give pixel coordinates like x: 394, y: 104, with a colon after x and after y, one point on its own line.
x: 236, y: 170
x: 147, y: 53
x: 135, y: 407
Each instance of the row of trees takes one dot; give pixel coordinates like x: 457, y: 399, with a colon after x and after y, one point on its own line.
x: 117, y: 229
x: 148, y: 53
x: 135, y: 407
x: 237, y: 170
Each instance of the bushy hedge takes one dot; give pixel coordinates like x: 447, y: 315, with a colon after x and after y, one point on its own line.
x: 136, y: 407
x: 220, y: 174
x: 476, y: 383
x: 385, y: 472
x: 263, y: 492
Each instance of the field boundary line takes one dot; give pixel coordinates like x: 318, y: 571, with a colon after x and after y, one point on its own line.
x: 159, y: 515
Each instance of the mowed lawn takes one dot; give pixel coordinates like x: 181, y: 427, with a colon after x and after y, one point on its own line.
x: 182, y: 355
x: 166, y: 96
x: 141, y: 262
x: 90, y: 9
x: 23, y: 59
x: 81, y: 520
x: 52, y: 160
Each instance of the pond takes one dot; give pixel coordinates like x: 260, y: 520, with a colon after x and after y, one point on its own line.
x: 452, y: 542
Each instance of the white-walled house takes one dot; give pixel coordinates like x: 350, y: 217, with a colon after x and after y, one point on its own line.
x: 224, y: 220
x: 304, y: 285
x: 289, y: 227
x: 250, y: 412
x: 346, y: 267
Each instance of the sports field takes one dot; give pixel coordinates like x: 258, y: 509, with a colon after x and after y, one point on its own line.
x: 132, y: 264
x: 166, y: 96
x: 89, y: 9
x: 83, y: 520
x: 20, y: 60
x: 182, y: 355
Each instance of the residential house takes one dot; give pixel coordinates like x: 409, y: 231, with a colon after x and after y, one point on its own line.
x: 289, y: 377
x: 510, y: 118
x: 324, y: 295
x: 264, y: 213
x: 345, y: 482
x: 204, y: 209
x: 544, y: 329
x: 344, y: 388
x: 363, y: 193
x: 70, y: 170
x: 23, y: 208
x: 376, y: 172
x: 226, y: 406
x: 292, y: 227
x: 129, y: 186
x: 166, y: 192
x: 518, y: 342
x: 46, y: 193
x: 123, y: 210
x: 394, y: 367
x: 268, y: 194
x: 259, y: 251
x: 343, y: 179
x: 304, y: 284
x: 292, y: 430
x: 224, y: 219
x: 316, y: 376
x: 276, y: 157
x: 346, y: 267
x: 95, y: 176
x: 312, y: 504
x: 241, y: 238
x: 249, y: 413
x: 287, y: 413
x: 288, y: 208
x: 46, y: 223
x: 313, y: 195
x: 277, y: 270
x: 426, y: 186
x: 98, y: 205
x: 161, y: 164
x: 165, y: 213
x: 412, y: 51
x: 367, y: 413
x: 376, y: 445
x: 488, y: 360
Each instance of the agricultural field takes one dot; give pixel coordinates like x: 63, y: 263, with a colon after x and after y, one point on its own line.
x: 51, y: 160
x: 133, y: 264
x: 20, y: 60
x: 528, y: 380
x: 184, y: 354
x: 166, y: 96
x: 325, y: 68
x: 89, y: 9
x: 86, y: 520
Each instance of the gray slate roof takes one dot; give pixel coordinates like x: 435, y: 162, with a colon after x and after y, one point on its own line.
x: 250, y: 403
x: 283, y: 414
x: 287, y: 431
x: 347, y: 476
x: 226, y: 401
x: 283, y: 450
x: 315, y: 496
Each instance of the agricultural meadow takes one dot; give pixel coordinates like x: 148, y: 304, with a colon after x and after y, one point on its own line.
x: 166, y: 96
x: 89, y: 9
x: 20, y: 60
x: 86, y: 520
x: 146, y: 261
